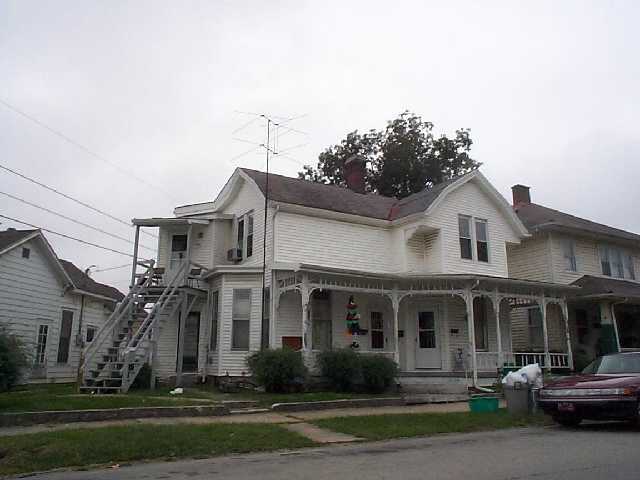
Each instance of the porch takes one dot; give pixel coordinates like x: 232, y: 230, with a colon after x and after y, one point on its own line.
x: 449, y: 326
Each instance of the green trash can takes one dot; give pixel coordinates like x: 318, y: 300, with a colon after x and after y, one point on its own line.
x: 482, y: 404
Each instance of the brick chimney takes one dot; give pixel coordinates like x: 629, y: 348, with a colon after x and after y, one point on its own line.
x: 354, y: 173
x: 521, y: 195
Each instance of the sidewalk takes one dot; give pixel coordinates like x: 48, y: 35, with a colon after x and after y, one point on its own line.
x: 261, y: 417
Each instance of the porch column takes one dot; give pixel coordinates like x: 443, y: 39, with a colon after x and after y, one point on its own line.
x: 395, y: 304
x: 608, y: 331
x: 615, y: 324
x: 136, y: 243
x: 306, y: 331
x: 565, y: 314
x: 496, y: 310
x: 545, y: 332
x: 468, y: 299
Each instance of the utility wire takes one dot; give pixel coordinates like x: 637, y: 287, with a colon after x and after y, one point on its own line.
x: 112, y: 268
x: 84, y: 148
x: 68, y: 197
x: 73, y: 220
x: 66, y: 236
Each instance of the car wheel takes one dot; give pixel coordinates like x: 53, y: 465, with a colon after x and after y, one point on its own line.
x: 567, y: 420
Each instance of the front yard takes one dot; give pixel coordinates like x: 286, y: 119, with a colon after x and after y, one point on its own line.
x: 64, y: 397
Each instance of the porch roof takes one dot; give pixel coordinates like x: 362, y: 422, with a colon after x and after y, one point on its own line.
x: 162, y: 222
x: 452, y: 281
x: 599, y: 287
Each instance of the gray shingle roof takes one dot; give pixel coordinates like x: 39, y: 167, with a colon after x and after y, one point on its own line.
x: 538, y: 218
x: 82, y: 281
x: 607, y: 286
x: 341, y: 199
x: 9, y: 237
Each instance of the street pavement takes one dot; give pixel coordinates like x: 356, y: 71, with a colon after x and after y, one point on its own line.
x: 605, y: 451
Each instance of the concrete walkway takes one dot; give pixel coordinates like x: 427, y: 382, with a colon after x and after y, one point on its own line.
x: 286, y: 419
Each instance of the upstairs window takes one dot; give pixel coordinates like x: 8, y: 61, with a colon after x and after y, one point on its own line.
x: 482, y: 240
x: 245, y: 235
x: 569, y: 254
x: 26, y: 253
x: 464, y: 228
x: 616, y: 262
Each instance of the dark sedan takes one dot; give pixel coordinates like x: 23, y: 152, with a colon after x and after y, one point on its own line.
x: 608, y: 389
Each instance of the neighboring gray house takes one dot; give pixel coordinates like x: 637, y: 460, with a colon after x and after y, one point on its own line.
x: 52, y: 305
x: 604, y: 316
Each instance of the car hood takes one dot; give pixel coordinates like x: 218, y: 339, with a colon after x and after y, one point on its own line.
x: 595, y: 381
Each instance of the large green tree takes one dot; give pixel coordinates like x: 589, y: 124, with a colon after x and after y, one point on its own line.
x: 402, y: 159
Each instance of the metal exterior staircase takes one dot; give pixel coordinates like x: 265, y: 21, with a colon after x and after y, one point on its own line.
x: 127, y: 339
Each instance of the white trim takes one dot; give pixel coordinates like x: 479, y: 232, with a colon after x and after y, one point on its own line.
x: 21, y: 241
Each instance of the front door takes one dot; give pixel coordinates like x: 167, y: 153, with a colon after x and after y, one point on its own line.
x: 178, y: 252
x: 427, y: 341
x: 190, y: 349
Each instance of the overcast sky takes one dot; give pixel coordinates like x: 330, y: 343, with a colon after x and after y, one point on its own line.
x: 550, y: 91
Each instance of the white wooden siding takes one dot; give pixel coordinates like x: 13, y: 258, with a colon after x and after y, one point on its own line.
x: 531, y: 259
x: 471, y: 200
x: 289, y: 317
x: 332, y: 243
x: 31, y: 294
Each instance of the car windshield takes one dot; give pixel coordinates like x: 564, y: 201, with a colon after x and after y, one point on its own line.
x: 612, y: 364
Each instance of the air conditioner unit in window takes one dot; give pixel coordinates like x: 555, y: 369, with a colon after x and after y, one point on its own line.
x: 234, y: 254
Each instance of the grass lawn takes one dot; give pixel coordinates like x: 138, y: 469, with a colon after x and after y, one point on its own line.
x: 111, y: 445
x: 65, y: 397
x: 380, y: 427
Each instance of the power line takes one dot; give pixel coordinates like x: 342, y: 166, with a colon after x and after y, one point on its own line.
x: 112, y: 268
x: 67, y: 236
x: 68, y: 197
x: 84, y: 148
x: 73, y: 220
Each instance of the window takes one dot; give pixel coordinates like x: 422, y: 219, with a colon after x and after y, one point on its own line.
x: 630, y: 271
x: 26, y: 253
x: 616, y: 262
x: 377, y: 331
x: 249, y: 235
x: 91, y: 333
x: 604, y: 260
x: 464, y: 229
x: 241, y: 316
x: 480, y: 323
x: 41, y: 345
x: 569, y: 253
x: 65, y: 336
x: 536, y: 334
x: 245, y: 235
x: 213, y: 337
x: 482, y: 241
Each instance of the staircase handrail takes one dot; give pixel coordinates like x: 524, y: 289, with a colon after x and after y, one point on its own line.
x: 114, y: 319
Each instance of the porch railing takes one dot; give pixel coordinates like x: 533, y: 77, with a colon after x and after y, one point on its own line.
x: 489, y: 361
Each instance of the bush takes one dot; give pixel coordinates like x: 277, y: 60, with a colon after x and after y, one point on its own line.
x: 378, y: 372
x: 342, y: 368
x: 279, y: 371
x: 13, y: 359
x: 143, y: 379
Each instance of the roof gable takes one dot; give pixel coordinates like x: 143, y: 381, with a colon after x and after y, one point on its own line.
x: 10, y: 239
x: 82, y: 281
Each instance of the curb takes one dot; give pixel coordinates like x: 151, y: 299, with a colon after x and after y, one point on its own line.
x: 331, y: 404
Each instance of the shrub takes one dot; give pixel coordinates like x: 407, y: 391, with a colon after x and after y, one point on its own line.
x: 341, y: 367
x: 279, y: 371
x: 13, y: 359
x: 143, y: 379
x: 378, y: 372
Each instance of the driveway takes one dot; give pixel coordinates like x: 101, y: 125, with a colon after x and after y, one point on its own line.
x: 591, y: 452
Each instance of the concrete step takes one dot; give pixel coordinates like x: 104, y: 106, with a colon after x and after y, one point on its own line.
x: 418, y: 399
x: 409, y: 387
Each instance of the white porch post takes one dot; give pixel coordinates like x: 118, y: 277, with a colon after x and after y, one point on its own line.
x: 496, y: 310
x: 306, y: 334
x: 615, y: 324
x: 468, y: 298
x: 395, y: 304
x: 135, y: 256
x: 565, y: 314
x: 545, y: 332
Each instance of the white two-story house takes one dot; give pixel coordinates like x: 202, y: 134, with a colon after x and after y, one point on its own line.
x: 273, y: 261
x: 603, y: 261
